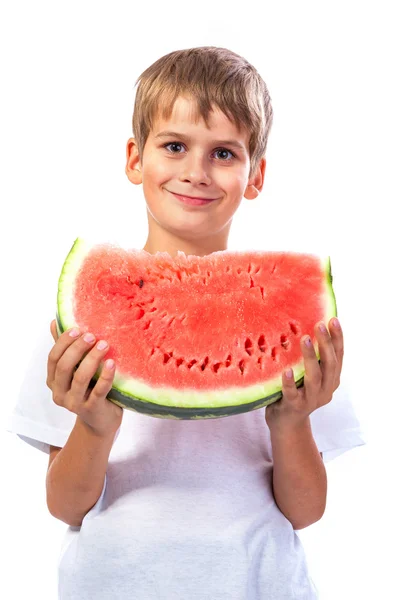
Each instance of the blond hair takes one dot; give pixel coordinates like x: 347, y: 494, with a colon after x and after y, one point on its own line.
x: 209, y: 75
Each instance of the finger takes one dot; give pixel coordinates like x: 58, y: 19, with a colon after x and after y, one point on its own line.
x: 53, y: 330
x: 289, y: 389
x: 327, y: 357
x: 336, y: 333
x: 103, y: 384
x: 86, y: 371
x: 313, y: 374
x: 71, y: 356
x: 65, y: 340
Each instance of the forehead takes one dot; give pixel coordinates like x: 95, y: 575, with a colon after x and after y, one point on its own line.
x: 185, y: 119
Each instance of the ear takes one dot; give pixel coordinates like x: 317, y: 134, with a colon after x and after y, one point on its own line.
x: 133, y: 166
x: 255, y: 184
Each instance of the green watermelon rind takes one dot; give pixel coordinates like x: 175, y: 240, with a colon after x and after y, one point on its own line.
x: 136, y: 395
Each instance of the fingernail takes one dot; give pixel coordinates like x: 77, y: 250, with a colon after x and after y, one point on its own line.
x: 322, y: 328
x: 88, y: 337
x: 336, y: 323
x: 74, y: 332
x: 289, y: 374
x: 102, y: 345
x: 307, y: 342
x: 109, y: 363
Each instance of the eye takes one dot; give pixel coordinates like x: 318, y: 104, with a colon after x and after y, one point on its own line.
x: 226, y: 150
x: 172, y: 144
x: 215, y: 151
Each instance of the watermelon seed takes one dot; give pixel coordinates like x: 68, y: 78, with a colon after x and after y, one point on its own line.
x: 153, y: 309
x: 167, y: 356
x: 179, y: 361
x: 241, y: 366
x: 152, y: 352
x: 228, y: 269
x: 170, y: 322
x: 139, y: 313
x: 191, y: 363
x: 216, y: 366
x: 143, y: 303
x: 257, y: 270
x: 251, y: 282
x: 261, y: 343
x: 179, y: 276
x: 293, y: 328
x: 248, y: 346
x: 273, y: 353
x: 228, y: 361
x: 147, y: 325
x: 273, y: 269
x: 208, y: 274
x: 204, y: 280
x: 239, y: 271
x: 205, y: 363
x: 260, y: 362
x: 284, y: 341
x: 249, y: 269
x: 141, y: 282
x: 262, y: 292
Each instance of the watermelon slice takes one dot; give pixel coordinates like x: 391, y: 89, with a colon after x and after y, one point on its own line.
x: 196, y: 337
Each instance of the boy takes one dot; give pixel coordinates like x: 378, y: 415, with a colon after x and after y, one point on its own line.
x: 187, y: 510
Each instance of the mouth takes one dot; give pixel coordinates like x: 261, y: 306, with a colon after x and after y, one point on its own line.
x: 193, y: 201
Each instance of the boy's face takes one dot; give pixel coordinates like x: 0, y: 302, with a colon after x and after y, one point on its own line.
x: 195, y: 161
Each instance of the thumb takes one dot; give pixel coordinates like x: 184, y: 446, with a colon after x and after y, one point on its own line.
x: 53, y: 330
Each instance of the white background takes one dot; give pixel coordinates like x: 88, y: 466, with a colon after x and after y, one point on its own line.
x: 67, y: 75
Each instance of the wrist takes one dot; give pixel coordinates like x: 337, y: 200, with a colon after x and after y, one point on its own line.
x: 290, y: 427
x: 107, y: 435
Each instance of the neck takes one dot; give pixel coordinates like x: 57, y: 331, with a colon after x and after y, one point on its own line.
x: 161, y: 240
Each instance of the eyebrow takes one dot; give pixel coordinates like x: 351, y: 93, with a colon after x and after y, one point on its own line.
x: 182, y: 136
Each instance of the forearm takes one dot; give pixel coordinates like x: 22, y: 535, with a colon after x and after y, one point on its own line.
x: 75, y: 478
x: 299, y: 476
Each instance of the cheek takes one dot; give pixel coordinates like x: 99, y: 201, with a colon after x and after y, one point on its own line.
x: 235, y: 181
x: 155, y: 169
x: 155, y: 173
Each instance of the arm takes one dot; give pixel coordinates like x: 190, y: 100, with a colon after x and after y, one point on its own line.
x: 76, y: 472
x: 75, y: 477
x: 299, y: 477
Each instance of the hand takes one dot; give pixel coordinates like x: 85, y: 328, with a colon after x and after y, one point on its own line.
x: 70, y: 382
x: 320, y: 380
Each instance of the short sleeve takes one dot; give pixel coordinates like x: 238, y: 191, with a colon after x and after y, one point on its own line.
x: 335, y: 426
x: 35, y: 418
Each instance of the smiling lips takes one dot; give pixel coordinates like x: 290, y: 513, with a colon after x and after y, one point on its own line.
x: 192, y: 200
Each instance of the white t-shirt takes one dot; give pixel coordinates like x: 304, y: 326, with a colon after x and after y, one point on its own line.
x: 187, y: 510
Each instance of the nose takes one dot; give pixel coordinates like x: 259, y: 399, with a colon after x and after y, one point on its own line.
x: 195, y: 171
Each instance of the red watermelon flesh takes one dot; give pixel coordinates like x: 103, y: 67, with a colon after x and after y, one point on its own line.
x: 196, y: 325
